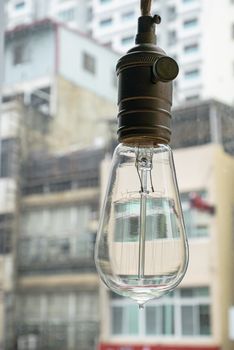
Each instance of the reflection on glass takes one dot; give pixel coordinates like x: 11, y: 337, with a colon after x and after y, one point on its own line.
x: 141, y: 250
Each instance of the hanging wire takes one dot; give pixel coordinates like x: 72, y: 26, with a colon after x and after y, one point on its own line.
x: 145, y: 7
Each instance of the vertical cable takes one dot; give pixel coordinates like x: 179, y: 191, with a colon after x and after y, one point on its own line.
x: 145, y: 7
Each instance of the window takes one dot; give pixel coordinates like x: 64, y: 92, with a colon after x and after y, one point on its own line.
x: 196, y: 317
x: 157, y: 225
x: 127, y: 40
x: 89, y: 14
x: 190, y: 23
x: 171, y: 13
x: 55, y: 307
x: 188, y: 306
x: 128, y: 15
x: 6, y: 226
x: 171, y: 37
x: 67, y: 15
x: 196, y: 221
x: 191, y: 48
x: 191, y: 74
x: 159, y: 319
x: 19, y: 5
x: 89, y: 63
x: 8, y: 157
x: 20, y: 54
x: 60, y: 186
x: 192, y: 98
x: 62, y: 241
x: 125, y: 320
x: 106, y: 22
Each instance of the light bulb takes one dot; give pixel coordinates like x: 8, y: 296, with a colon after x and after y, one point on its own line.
x: 141, y: 249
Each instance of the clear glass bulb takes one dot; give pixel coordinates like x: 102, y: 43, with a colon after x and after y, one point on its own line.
x: 141, y: 250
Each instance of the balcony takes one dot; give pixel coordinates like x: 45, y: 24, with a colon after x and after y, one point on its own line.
x: 74, y: 171
x: 57, y: 336
x: 55, y: 255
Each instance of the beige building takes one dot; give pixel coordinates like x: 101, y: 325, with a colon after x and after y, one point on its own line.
x: 48, y: 220
x: 66, y: 76
x: 57, y: 284
x: 195, y: 315
x: 58, y: 85
x: 49, y: 190
x: 11, y: 114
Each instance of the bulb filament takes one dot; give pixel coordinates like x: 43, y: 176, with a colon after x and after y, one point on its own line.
x: 144, y: 166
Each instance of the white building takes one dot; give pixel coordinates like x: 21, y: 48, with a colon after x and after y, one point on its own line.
x: 36, y: 52
x: 74, y: 12
x: 189, y: 32
x: 51, y: 67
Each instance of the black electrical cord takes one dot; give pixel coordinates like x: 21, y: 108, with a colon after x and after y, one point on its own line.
x: 145, y: 7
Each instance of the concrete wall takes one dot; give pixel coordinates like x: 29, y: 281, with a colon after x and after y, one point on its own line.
x: 81, y: 117
x: 40, y: 53
x: 223, y: 171
x: 71, y: 49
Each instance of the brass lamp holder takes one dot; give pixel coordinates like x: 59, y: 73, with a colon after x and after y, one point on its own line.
x: 145, y: 76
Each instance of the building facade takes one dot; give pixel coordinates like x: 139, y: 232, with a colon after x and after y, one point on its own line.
x: 66, y: 84
x: 52, y: 298
x: 195, y: 315
x: 188, y: 32
x: 9, y: 185
x: 48, y: 222
x: 57, y: 290
x: 76, y: 13
x: 50, y: 67
x: 52, y: 97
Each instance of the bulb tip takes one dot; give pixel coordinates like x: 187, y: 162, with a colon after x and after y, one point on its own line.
x: 141, y: 306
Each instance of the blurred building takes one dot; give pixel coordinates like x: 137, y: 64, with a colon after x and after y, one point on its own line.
x: 196, y: 315
x: 57, y: 294
x: 186, y: 34
x: 66, y: 88
x: 9, y: 182
x: 58, y: 84
x: 196, y: 124
x: 49, y: 222
x: 15, y: 125
x: 62, y: 74
x: 198, y: 44
x: 76, y: 13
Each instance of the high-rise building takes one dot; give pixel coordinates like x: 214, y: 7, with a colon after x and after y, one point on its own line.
x: 75, y: 13
x: 189, y: 32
